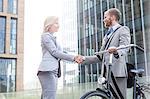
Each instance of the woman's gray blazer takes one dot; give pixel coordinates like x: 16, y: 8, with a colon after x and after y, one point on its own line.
x: 51, y: 53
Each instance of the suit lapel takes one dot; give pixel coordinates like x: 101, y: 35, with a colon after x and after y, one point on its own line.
x: 110, y: 38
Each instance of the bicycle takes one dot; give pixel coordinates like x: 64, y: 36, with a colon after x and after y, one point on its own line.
x: 106, y: 93
x: 139, y: 88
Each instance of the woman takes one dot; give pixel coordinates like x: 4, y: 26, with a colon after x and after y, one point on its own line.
x: 52, y: 53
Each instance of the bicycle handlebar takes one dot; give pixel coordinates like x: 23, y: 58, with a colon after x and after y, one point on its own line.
x: 122, y: 47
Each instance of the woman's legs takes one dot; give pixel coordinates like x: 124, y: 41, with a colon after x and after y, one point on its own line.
x: 48, y: 80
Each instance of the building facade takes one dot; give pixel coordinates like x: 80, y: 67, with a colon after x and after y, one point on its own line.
x: 135, y: 15
x: 11, y: 45
x: 68, y: 29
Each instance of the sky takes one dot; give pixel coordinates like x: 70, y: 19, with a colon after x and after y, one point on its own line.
x: 35, y: 13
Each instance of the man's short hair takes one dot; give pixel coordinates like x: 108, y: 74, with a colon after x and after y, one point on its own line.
x: 116, y: 12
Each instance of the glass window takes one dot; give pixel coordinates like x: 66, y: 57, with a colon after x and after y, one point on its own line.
x: 1, y: 5
x: 2, y: 34
x: 7, y: 75
x: 131, y: 16
x: 13, y: 36
x: 12, y: 6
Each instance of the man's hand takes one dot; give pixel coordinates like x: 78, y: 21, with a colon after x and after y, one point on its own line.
x: 112, y: 50
x: 79, y: 59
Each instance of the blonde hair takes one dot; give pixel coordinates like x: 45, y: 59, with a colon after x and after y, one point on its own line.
x: 50, y: 20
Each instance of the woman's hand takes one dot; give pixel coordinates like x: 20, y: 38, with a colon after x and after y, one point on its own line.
x: 79, y: 59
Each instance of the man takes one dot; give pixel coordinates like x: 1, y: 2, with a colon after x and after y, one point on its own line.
x: 116, y: 36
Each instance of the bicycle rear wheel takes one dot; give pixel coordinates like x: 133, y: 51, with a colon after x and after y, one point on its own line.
x: 95, y: 95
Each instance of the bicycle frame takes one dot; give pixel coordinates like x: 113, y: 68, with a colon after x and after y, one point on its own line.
x: 109, y: 75
x: 134, y: 87
x: 110, y: 64
x: 107, y: 82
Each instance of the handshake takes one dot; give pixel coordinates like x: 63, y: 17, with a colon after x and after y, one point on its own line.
x: 79, y: 59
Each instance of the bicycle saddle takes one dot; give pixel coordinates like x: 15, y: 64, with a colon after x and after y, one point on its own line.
x: 137, y: 71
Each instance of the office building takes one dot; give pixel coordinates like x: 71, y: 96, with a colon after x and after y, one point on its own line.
x: 135, y: 15
x: 11, y: 45
x: 68, y: 28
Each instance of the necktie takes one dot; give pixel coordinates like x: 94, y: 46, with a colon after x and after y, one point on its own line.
x: 109, y: 31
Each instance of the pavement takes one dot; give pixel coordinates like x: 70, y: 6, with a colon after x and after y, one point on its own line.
x: 72, y: 91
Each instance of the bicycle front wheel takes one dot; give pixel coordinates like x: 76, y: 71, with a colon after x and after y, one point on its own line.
x: 95, y: 95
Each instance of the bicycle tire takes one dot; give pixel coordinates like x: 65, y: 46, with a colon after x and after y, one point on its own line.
x: 95, y: 95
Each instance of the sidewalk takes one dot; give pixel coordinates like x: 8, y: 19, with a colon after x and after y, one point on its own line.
x: 68, y: 92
